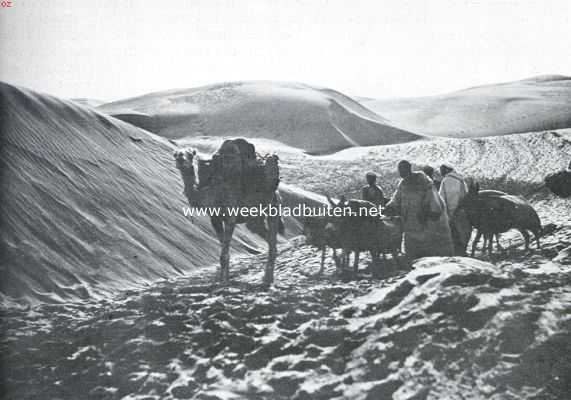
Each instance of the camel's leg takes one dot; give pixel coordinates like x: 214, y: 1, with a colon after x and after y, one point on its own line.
x: 385, y: 261
x: 475, y: 244
x: 337, y: 260
x: 356, y: 263
x: 273, y: 227
x: 218, y: 228
x: 525, y: 237
x: 489, y: 239
x: 225, y: 253
x: 537, y: 234
x: 485, y: 244
x: 322, y: 266
x: 345, y: 256
x: 376, y: 264
x: 500, y: 248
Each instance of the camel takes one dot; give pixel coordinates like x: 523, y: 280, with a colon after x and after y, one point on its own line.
x: 230, y: 181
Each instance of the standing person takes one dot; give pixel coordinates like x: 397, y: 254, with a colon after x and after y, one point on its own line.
x: 372, y: 192
x: 452, y: 190
x: 425, y: 223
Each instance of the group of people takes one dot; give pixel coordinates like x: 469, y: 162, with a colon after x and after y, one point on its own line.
x: 432, y: 223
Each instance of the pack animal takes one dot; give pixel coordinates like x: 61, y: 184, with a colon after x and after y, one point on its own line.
x: 356, y: 231
x: 492, y: 213
x: 316, y: 234
x: 233, y: 178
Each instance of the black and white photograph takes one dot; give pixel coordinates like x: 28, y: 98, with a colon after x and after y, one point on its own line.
x: 285, y: 199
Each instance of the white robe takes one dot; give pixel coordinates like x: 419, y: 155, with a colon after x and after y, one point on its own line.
x: 452, y: 190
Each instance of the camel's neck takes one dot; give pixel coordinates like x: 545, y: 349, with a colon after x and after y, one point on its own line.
x: 188, y: 179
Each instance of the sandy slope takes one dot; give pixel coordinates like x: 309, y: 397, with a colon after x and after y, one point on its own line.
x: 534, y: 104
x: 313, y: 119
x: 91, y: 205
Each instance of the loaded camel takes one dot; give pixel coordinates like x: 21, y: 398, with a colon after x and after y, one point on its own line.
x: 235, y: 177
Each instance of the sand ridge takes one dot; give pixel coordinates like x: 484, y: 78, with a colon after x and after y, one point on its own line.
x: 313, y: 119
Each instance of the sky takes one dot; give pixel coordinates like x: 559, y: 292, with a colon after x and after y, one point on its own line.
x: 111, y: 49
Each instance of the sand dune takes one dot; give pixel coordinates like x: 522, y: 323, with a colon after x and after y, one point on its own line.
x: 534, y: 104
x: 88, y: 102
x: 315, y: 120
x: 91, y: 205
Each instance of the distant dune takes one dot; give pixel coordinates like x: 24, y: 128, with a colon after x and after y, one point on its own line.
x: 91, y: 205
x: 88, y: 102
x: 313, y: 119
x: 529, y: 105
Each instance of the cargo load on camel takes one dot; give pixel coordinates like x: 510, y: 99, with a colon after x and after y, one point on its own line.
x: 236, y: 163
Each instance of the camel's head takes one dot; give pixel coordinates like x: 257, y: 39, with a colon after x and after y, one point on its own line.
x: 185, y: 159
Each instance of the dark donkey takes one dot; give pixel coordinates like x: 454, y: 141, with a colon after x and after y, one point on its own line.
x: 314, y: 229
x: 358, y: 230
x: 493, y: 212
